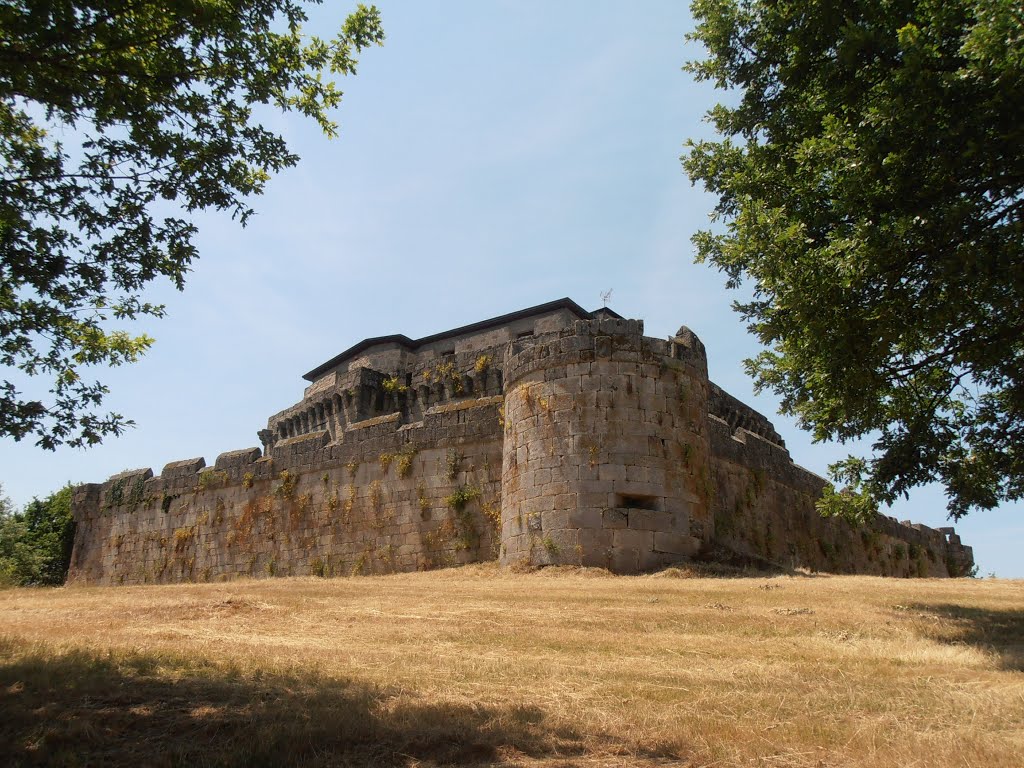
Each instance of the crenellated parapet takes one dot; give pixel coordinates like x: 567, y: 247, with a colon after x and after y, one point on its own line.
x: 339, y: 401
x: 738, y: 415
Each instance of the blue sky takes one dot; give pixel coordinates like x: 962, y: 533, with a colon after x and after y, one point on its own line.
x: 492, y: 156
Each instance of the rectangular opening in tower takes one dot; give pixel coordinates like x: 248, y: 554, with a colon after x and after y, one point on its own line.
x: 637, y: 501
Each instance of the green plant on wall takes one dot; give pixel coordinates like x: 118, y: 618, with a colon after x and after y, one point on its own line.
x: 422, y: 500
x: 551, y: 546
x: 183, y: 537
x: 393, y: 386
x: 286, y: 487
x: 460, y: 497
x: 448, y: 372
x: 211, y: 478
x: 127, y: 491
x: 468, y: 537
x: 404, y: 459
x: 360, y: 563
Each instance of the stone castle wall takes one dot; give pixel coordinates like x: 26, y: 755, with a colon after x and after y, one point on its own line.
x: 388, y: 499
x: 604, y: 437
x: 565, y: 438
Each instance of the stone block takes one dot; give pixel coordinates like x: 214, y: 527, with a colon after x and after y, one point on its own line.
x: 650, y: 560
x: 650, y: 520
x: 676, y: 543
x: 234, y: 459
x: 555, y: 519
x: 614, y: 518
x: 623, y: 559
x: 586, y: 517
x: 633, y: 539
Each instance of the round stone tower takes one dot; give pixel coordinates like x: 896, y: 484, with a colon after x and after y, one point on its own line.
x: 605, y: 448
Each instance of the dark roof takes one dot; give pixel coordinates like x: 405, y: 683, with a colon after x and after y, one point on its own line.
x: 413, y: 344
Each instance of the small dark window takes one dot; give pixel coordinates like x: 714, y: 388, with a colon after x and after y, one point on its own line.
x: 524, y: 335
x: 634, y: 501
x: 448, y: 352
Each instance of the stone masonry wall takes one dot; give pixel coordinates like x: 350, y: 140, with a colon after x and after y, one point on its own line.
x: 604, y: 445
x: 764, y: 507
x: 388, y: 499
x: 549, y: 440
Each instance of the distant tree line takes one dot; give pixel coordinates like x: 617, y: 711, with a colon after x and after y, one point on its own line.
x: 35, y: 544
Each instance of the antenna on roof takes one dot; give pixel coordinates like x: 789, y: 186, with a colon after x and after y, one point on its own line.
x: 605, y: 296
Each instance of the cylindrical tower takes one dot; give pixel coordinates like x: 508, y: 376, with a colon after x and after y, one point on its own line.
x: 605, y: 448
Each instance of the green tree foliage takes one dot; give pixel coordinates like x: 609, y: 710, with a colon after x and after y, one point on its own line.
x: 35, y: 545
x: 119, y: 119
x: 870, y: 175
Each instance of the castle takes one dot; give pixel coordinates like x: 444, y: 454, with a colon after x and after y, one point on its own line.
x: 551, y: 435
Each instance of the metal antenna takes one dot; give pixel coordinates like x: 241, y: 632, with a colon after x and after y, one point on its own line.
x: 605, y: 296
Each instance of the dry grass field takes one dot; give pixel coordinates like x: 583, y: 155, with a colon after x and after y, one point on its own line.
x: 558, y: 668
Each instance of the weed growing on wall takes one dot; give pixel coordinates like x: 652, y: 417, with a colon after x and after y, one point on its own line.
x: 183, y: 537
x: 404, y: 461
x: 459, y: 498
x: 360, y: 563
x: 422, y: 500
x: 126, y: 490
x: 468, y: 536
x: 448, y: 372
x: 211, y: 478
x: 393, y: 386
x: 286, y: 487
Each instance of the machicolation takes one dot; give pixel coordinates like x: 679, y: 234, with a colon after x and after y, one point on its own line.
x: 552, y: 435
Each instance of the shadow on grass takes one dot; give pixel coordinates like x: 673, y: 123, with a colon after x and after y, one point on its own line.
x: 122, y: 708
x: 722, y: 563
x: 998, y: 631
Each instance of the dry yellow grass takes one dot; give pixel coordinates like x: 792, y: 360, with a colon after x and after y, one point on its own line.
x: 557, y: 668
